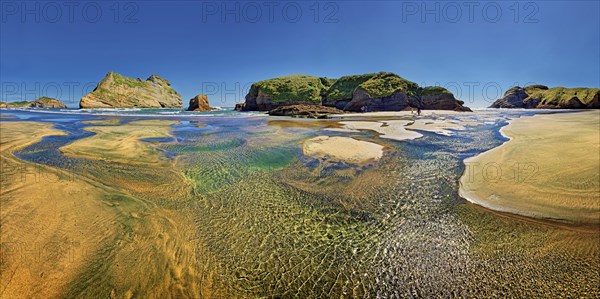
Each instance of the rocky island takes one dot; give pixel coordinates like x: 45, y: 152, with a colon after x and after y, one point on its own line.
x: 542, y: 97
x: 117, y: 91
x: 42, y: 102
x: 199, y: 103
x: 356, y: 93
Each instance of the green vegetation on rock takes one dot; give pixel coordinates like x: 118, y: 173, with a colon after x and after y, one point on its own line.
x: 377, y: 85
x: 118, y: 91
x: 433, y: 91
x: 327, y: 82
x: 344, y: 87
x: 533, y: 88
x: 292, y: 88
x: 559, y: 95
x: 381, y: 91
x: 130, y: 82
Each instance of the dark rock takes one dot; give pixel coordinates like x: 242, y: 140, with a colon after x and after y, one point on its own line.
x: 240, y: 107
x: 444, y: 101
x: 513, y: 98
x: 305, y: 111
x: 594, y: 103
x: 362, y: 102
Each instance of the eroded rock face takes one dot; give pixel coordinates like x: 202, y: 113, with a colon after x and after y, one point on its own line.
x: 117, y: 91
x: 444, y: 101
x: 264, y: 102
x: 362, y: 102
x: 513, y: 98
x: 594, y: 103
x: 199, y: 103
x: 305, y: 111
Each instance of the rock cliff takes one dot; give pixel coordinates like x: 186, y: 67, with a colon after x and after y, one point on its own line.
x: 358, y: 93
x: 372, y: 92
x: 439, y: 98
x: 284, y: 91
x: 542, y: 97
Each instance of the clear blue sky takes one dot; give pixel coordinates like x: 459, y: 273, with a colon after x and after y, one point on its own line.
x: 200, y: 46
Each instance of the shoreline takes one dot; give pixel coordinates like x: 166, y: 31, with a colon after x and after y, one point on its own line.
x: 562, y: 205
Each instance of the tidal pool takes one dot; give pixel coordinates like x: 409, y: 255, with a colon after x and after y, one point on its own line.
x: 235, y: 209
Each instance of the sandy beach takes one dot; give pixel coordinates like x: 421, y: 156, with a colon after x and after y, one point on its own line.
x: 342, y: 149
x: 548, y: 169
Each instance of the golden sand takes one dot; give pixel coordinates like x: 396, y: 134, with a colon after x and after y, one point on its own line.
x: 342, y: 149
x: 65, y: 236
x: 122, y: 143
x: 548, y: 169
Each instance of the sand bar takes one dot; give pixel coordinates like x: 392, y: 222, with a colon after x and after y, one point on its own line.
x: 548, y: 169
x: 342, y: 149
x: 122, y: 143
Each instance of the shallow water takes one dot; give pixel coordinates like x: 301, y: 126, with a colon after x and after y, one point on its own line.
x: 268, y: 221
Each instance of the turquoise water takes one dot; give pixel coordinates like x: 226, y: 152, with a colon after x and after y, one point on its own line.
x: 154, y: 112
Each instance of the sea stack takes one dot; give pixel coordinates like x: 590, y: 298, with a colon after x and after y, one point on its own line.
x: 199, y: 103
x: 117, y: 91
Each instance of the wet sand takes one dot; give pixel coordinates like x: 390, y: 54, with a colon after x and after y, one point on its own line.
x: 66, y: 236
x: 112, y: 121
x: 239, y: 213
x: 548, y: 169
x: 122, y: 143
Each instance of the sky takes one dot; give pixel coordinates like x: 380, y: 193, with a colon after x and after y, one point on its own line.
x: 475, y: 49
